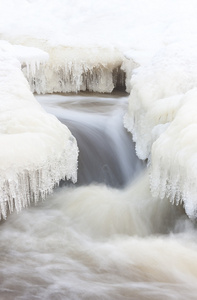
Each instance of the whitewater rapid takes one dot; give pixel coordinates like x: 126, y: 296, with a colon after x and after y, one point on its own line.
x: 96, y: 241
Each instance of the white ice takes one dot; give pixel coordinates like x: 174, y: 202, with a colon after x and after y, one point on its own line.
x: 77, y: 69
x: 37, y: 151
x: 162, y: 117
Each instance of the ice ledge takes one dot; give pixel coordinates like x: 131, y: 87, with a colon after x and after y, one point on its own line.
x: 77, y: 69
x: 37, y: 151
x: 162, y: 118
x: 62, y: 69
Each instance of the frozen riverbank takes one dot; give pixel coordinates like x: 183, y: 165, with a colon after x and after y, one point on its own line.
x: 37, y: 151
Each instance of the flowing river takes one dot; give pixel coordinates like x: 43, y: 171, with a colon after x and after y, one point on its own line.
x: 105, y: 237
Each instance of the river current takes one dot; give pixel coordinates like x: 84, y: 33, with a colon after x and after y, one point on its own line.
x: 105, y: 237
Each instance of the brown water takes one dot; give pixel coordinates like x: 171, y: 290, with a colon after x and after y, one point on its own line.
x: 97, y: 240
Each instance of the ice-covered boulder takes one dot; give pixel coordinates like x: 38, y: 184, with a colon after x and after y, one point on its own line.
x: 37, y: 151
x: 163, y: 120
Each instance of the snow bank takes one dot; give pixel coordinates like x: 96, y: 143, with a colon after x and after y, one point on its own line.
x: 162, y: 117
x: 37, y: 151
x: 122, y: 24
x: 31, y: 58
x: 85, y: 39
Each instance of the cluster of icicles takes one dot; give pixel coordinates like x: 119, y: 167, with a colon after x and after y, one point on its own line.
x: 78, y: 69
x: 163, y: 120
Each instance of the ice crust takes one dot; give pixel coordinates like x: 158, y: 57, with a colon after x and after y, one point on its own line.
x: 37, y: 151
x: 162, y: 117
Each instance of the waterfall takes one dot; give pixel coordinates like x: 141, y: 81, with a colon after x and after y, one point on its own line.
x: 106, y: 150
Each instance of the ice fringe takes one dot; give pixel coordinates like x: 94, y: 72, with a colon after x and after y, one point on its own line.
x: 162, y: 118
x: 77, y: 69
x: 74, y: 69
x: 37, y: 151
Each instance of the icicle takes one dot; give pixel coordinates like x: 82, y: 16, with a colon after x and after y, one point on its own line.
x: 78, y: 69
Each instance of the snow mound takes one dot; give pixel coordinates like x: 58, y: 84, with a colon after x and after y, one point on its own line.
x: 162, y: 118
x: 37, y: 151
x: 31, y: 58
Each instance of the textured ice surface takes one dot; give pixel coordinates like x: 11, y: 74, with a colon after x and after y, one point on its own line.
x: 162, y: 117
x: 77, y: 69
x: 36, y: 149
x: 67, y: 69
x: 174, y: 158
x: 136, y: 27
x: 31, y: 58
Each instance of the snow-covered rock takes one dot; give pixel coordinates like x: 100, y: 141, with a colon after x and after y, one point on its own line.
x: 163, y: 120
x: 37, y: 151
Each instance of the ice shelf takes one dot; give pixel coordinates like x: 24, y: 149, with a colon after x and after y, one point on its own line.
x: 74, y: 69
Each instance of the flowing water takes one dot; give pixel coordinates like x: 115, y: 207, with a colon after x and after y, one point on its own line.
x: 105, y: 238
x: 107, y: 152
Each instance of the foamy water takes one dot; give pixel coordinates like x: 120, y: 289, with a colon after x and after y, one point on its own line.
x: 99, y: 242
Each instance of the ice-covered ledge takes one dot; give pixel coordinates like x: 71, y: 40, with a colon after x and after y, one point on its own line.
x: 162, y: 117
x: 37, y: 151
x: 74, y: 69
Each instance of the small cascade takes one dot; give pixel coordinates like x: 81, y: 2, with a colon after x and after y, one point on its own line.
x: 106, y: 150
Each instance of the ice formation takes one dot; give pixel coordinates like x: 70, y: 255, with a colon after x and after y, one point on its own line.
x: 37, y: 151
x: 31, y: 58
x: 162, y: 117
x: 77, y: 69
x: 63, y: 69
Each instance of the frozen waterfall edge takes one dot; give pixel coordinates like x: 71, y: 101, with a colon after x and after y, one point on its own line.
x: 77, y: 69
x: 162, y: 118
x: 72, y: 69
x: 37, y: 151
